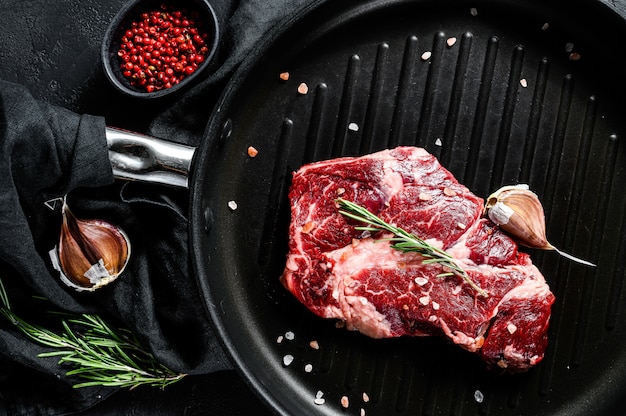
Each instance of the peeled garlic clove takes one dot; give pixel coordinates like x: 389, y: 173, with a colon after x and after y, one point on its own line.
x: 91, y: 253
x: 518, y: 211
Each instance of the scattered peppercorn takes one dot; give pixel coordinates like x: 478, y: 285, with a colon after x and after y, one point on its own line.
x: 162, y: 47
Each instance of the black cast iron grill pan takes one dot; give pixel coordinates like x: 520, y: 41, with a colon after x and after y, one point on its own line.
x: 529, y: 92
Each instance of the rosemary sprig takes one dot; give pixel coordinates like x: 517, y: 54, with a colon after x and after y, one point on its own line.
x: 405, y: 241
x: 98, y: 354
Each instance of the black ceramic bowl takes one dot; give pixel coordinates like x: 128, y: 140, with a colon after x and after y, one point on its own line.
x: 131, y: 12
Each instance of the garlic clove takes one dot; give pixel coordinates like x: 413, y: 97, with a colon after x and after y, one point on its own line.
x: 518, y: 211
x: 90, y: 253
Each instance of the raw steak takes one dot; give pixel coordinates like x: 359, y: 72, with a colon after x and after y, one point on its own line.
x: 339, y: 272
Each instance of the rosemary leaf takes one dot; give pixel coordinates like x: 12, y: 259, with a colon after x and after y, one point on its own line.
x: 405, y: 241
x: 95, y: 352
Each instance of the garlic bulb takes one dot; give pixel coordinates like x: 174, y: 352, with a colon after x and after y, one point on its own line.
x: 518, y: 211
x: 91, y: 253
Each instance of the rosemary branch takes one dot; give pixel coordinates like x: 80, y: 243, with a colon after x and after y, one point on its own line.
x: 405, y: 241
x: 97, y: 353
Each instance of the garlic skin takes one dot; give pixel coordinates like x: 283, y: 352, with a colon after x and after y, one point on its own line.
x: 90, y: 253
x: 518, y: 211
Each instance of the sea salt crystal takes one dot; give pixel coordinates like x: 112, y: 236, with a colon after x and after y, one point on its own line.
x: 287, y: 359
x: 474, y: 11
x: 423, y: 196
x: 232, y: 205
x: 424, y: 300
x: 345, y: 402
x: 303, y: 89
x: 421, y: 281
x: 426, y: 55
x: 279, y: 339
x: 478, y: 396
x: 290, y: 335
x: 438, y: 142
x: 252, y: 151
x: 308, y: 368
x: 511, y: 328
x: 353, y: 127
x: 319, y: 398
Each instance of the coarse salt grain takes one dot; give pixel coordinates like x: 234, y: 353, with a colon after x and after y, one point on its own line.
x: 478, y: 396
x: 319, y: 398
x: 308, y: 368
x: 461, y: 225
x: 451, y: 41
x: 424, y: 300
x: 438, y: 142
x: 290, y: 335
x: 345, y: 402
x: 366, y: 398
x: 288, y: 359
x: 426, y: 55
x: 252, y: 151
x: 421, y: 281
x: 314, y: 344
x: 284, y: 76
x: 279, y: 339
x: 474, y: 11
x: 232, y: 205
x: 435, y: 305
x: 523, y: 82
x: 511, y: 328
x: 449, y: 192
x: 303, y: 88
x: 353, y: 127
x: 545, y: 26
x: 308, y: 227
x: 423, y: 196
x: 362, y: 412
x: 574, y: 56
x: 569, y: 47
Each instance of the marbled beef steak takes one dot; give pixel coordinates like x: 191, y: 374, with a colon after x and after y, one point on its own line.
x: 343, y: 273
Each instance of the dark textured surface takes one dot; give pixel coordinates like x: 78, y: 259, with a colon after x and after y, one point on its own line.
x: 53, y: 49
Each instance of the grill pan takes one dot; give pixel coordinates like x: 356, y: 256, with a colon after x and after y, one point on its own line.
x: 530, y: 92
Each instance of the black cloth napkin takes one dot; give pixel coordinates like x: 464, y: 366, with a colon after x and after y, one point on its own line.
x: 47, y: 152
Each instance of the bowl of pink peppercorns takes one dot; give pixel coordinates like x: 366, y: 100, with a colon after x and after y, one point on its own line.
x: 153, y: 48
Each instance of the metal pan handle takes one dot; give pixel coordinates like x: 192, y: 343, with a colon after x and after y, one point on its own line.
x: 144, y: 158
